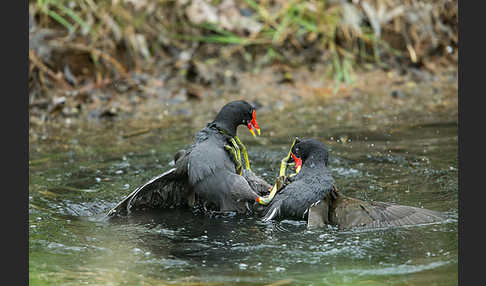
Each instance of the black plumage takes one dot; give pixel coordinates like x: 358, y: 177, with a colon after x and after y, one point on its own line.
x: 313, y: 182
x: 311, y: 195
x: 204, y: 173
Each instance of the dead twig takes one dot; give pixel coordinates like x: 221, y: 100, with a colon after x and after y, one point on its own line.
x: 136, y: 133
x: 43, y: 68
x: 121, y: 69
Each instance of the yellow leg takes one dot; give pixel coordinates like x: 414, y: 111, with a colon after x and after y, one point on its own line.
x: 237, y: 148
x: 279, y: 184
x: 237, y: 159
x: 245, y: 153
x: 283, y: 163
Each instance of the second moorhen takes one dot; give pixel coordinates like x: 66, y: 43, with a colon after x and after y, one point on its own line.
x: 311, y: 195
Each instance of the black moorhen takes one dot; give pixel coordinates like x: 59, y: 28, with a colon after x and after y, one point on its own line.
x: 311, y: 195
x: 210, y: 172
x: 313, y: 182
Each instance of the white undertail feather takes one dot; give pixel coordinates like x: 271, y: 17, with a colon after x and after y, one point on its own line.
x: 315, y: 204
x: 312, y: 205
x: 306, y: 211
x: 272, y: 215
x: 247, y: 206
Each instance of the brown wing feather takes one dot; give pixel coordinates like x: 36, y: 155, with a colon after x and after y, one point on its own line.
x: 349, y: 212
x: 346, y: 212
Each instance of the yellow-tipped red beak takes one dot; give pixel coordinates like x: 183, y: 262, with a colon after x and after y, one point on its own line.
x: 251, y: 130
x: 253, y: 125
x: 298, y: 163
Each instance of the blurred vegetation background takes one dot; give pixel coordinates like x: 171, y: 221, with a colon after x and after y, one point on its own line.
x: 80, y: 49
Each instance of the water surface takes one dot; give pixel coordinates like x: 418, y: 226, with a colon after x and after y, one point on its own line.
x: 79, y: 173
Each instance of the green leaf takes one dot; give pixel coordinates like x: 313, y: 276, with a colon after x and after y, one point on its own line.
x: 74, y: 16
x: 61, y: 20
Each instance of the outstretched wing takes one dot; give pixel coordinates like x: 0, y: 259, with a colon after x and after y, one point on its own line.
x: 351, y: 212
x: 346, y: 213
x: 169, y: 189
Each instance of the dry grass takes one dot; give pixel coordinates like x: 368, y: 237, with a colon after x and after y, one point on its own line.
x: 75, y: 44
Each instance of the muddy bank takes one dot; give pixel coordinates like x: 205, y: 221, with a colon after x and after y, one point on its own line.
x: 103, y: 59
x: 374, y: 99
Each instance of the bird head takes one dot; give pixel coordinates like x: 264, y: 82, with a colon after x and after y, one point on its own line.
x: 237, y: 113
x: 306, y: 148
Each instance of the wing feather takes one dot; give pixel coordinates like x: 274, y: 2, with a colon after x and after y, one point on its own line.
x: 168, y: 189
x: 346, y: 212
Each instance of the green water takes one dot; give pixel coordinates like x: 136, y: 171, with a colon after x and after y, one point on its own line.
x: 78, y: 172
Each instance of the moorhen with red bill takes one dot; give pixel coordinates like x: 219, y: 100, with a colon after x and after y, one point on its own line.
x: 210, y: 172
x: 311, y: 195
